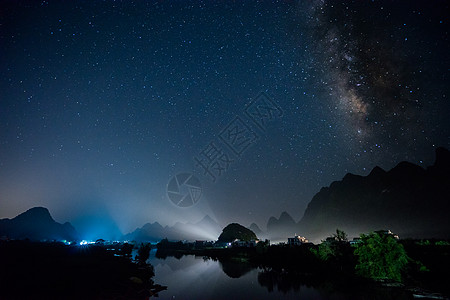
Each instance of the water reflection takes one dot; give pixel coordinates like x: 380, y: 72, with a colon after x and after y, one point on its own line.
x: 190, y: 277
x: 235, y: 269
x: 287, y: 283
x: 280, y: 281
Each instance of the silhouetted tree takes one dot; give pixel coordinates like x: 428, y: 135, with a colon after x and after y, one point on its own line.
x: 143, y: 253
x: 340, y: 236
x: 163, y: 244
x: 262, y: 246
x: 126, y: 249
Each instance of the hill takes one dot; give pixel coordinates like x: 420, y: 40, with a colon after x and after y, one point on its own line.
x: 281, y: 228
x: 236, y: 231
x: 37, y: 224
x: 255, y: 228
x: 205, y: 229
x: 408, y: 200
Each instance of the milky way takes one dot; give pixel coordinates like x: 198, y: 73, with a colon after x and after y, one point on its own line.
x: 375, y: 61
x: 102, y: 103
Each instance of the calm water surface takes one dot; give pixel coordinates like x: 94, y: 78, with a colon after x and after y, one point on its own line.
x: 193, y: 277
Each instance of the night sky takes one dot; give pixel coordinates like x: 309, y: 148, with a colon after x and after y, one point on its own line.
x: 102, y: 103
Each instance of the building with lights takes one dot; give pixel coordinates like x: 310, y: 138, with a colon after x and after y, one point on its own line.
x: 297, y: 240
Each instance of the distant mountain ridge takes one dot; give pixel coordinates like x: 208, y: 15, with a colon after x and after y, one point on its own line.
x: 277, y: 229
x: 36, y: 224
x: 205, y: 229
x: 255, y: 228
x: 408, y: 199
x: 281, y: 228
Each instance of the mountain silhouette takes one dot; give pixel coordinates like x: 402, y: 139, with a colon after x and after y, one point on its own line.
x: 205, y: 229
x: 281, y: 228
x: 37, y: 224
x: 255, y: 228
x: 409, y: 200
x: 148, y: 232
x: 235, y: 231
x: 208, y: 222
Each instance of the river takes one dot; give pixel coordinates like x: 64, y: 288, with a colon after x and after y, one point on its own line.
x: 191, y: 277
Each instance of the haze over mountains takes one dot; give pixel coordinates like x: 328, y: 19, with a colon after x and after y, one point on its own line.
x: 408, y: 199
x: 205, y: 229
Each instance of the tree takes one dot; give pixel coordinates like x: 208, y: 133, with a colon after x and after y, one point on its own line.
x: 262, y: 246
x: 380, y: 257
x: 324, y: 251
x: 335, y: 255
x: 334, y: 247
x: 144, y: 252
x: 340, y: 236
x: 127, y: 249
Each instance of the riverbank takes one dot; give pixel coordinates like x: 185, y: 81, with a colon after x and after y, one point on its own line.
x: 426, y: 275
x: 57, y: 271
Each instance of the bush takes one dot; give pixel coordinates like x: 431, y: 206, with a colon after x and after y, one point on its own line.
x: 380, y: 257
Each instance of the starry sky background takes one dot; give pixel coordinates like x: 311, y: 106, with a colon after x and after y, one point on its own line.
x: 102, y: 102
